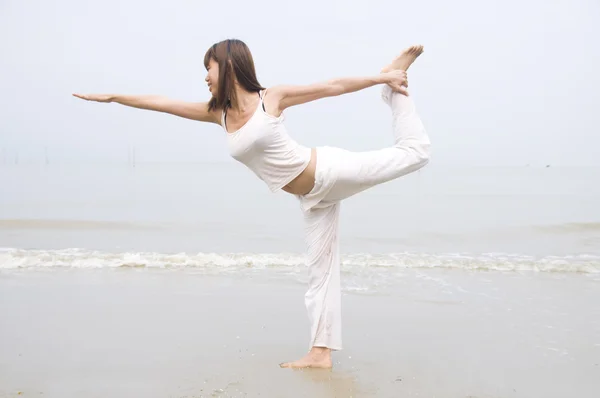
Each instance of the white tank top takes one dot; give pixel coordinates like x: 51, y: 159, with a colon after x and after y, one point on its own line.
x: 264, y: 146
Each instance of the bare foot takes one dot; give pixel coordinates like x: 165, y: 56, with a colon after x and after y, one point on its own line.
x: 404, y: 60
x: 318, y: 357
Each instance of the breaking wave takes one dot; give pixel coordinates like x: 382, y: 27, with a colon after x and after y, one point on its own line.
x: 216, y: 263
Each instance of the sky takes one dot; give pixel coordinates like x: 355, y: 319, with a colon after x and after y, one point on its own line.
x: 500, y: 82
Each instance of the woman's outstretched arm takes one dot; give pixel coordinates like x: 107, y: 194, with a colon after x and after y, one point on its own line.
x: 288, y: 96
x: 189, y: 110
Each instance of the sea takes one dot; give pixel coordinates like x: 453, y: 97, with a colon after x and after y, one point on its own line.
x: 219, y: 219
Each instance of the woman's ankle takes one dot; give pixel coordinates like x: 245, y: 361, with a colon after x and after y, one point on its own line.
x: 320, y: 350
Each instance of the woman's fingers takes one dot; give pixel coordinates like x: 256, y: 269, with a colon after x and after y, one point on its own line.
x: 94, y: 97
x: 399, y: 88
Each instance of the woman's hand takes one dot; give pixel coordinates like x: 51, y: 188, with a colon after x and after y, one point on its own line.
x: 95, y: 97
x: 397, y: 80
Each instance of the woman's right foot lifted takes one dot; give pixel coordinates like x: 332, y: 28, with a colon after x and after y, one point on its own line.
x: 404, y: 60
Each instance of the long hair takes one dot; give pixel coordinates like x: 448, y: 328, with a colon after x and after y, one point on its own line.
x: 235, y: 60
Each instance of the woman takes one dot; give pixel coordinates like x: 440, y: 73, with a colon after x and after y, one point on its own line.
x: 252, y: 118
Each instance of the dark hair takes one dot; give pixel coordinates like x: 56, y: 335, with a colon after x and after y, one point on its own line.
x: 234, y: 59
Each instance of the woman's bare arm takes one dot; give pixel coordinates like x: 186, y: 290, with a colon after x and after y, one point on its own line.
x: 189, y: 110
x: 287, y: 96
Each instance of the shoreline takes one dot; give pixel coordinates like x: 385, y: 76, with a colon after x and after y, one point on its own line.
x: 172, y: 333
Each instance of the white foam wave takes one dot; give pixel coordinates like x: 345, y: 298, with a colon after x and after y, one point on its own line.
x: 231, y: 262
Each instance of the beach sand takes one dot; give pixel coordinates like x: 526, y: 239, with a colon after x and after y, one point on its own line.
x: 175, y: 333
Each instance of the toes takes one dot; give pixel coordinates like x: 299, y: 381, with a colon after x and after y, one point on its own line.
x: 289, y: 365
x: 416, y: 49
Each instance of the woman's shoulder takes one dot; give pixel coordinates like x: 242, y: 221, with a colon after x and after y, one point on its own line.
x: 217, y: 115
x: 271, y: 97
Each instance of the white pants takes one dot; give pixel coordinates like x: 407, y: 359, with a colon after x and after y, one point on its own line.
x: 340, y: 174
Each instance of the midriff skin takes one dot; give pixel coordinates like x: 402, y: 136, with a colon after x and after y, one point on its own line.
x: 305, y: 182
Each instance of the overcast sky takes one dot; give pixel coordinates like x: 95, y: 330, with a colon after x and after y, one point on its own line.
x: 500, y: 82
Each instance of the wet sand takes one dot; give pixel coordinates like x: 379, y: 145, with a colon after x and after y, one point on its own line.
x: 174, y: 333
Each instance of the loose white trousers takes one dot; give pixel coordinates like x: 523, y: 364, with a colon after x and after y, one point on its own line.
x: 340, y: 174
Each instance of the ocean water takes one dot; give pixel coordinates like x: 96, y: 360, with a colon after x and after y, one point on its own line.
x: 219, y: 218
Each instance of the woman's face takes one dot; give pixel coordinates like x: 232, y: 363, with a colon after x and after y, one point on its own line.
x: 212, y: 77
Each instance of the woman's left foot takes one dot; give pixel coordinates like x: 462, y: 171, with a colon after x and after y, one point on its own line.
x: 318, y: 357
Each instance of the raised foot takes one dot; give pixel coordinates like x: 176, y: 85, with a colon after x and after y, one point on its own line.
x: 405, y: 59
x: 316, y: 358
